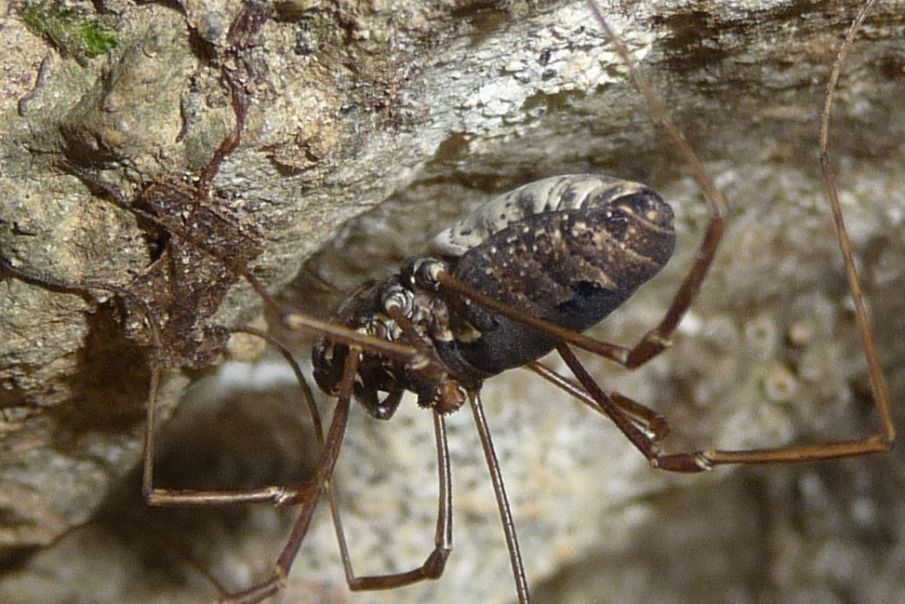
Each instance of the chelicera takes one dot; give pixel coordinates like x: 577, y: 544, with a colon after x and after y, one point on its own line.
x: 498, y: 290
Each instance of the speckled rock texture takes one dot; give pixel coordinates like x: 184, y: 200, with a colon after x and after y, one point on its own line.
x: 408, y: 115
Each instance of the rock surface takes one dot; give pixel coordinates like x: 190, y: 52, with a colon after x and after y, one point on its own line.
x: 428, y: 112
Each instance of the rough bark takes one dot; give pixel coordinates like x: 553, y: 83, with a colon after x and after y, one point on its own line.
x: 427, y: 109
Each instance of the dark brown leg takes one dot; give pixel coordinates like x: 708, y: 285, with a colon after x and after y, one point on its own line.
x: 435, y: 563
x: 325, y: 464
x: 276, y: 495
x: 881, y: 440
x: 299, y: 377
x: 499, y: 490
x: 649, y: 420
x: 706, y: 459
x: 79, y: 288
x: 657, y: 340
x: 343, y: 335
x: 166, y: 497
x: 241, y: 36
x: 877, y: 382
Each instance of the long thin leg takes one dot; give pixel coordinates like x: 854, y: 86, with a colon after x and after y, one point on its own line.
x: 882, y: 440
x: 499, y: 490
x: 706, y: 459
x: 650, y: 420
x: 46, y: 280
x: 877, y: 382
x: 657, y: 339
x: 307, y: 394
x: 343, y: 335
x: 436, y: 562
x: 325, y: 464
x: 297, y: 322
x: 276, y: 495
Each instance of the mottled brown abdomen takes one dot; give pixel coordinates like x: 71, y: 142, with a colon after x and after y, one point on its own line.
x: 569, y: 266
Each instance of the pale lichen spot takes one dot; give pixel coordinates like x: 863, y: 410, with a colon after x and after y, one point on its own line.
x: 579, y: 228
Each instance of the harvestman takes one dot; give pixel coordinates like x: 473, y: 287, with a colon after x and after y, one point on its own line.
x: 429, y: 330
x: 463, y: 335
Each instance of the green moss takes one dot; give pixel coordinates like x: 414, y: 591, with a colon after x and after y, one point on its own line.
x: 97, y: 39
x: 74, y: 33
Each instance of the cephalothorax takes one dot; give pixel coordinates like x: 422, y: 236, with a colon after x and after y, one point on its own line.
x: 567, y: 249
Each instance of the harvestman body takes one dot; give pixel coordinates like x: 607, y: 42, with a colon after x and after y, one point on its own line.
x: 568, y: 249
x: 513, y: 281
